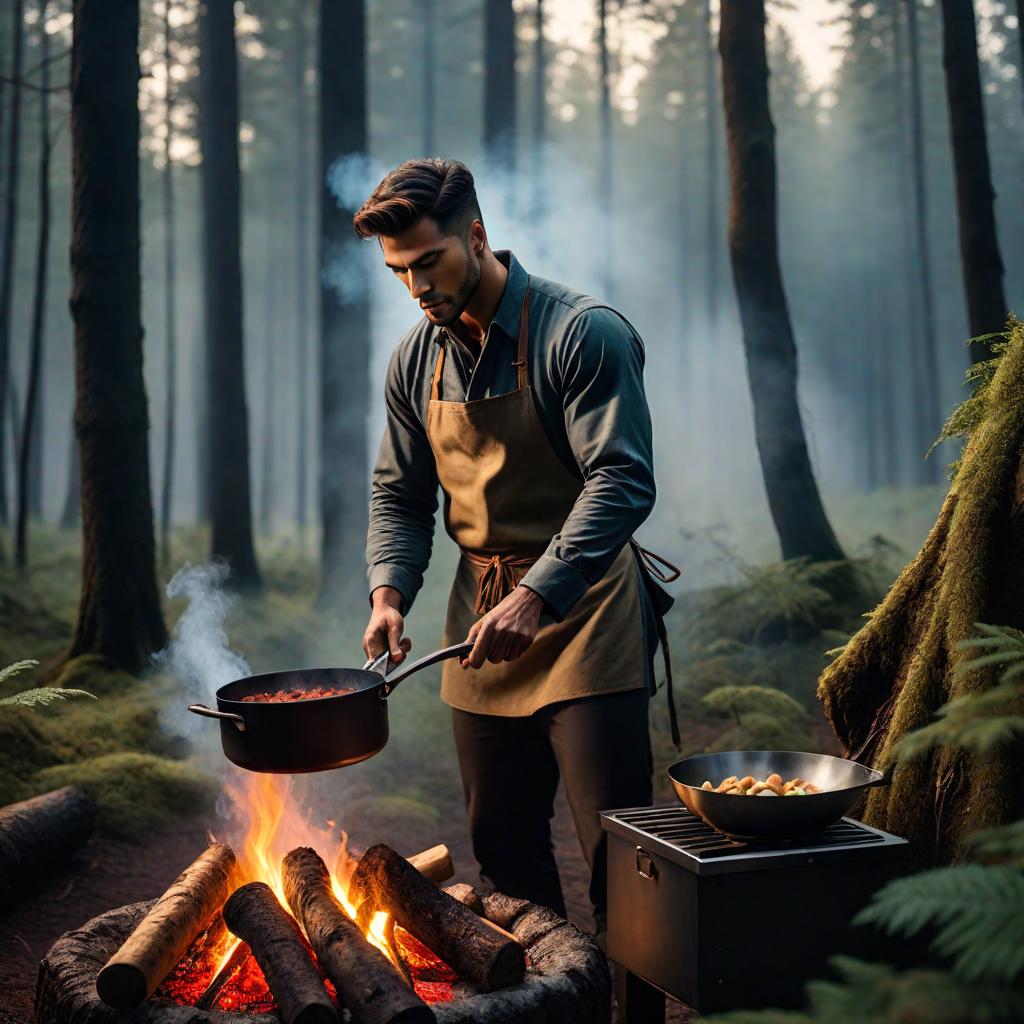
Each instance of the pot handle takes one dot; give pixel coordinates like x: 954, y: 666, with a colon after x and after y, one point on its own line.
x: 202, y: 709
x: 392, y: 679
x: 884, y: 780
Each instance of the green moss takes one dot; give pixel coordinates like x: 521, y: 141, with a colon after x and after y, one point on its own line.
x: 901, y: 667
x: 134, y: 792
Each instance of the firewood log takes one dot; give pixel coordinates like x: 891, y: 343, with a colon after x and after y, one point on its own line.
x: 435, y: 863
x: 479, y: 950
x: 133, y: 973
x: 38, y: 834
x: 254, y: 914
x: 368, y: 984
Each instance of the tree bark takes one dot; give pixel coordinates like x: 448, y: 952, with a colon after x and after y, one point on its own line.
x: 253, y: 913
x: 71, y: 515
x: 170, y: 307
x: 37, y: 835
x: 975, y: 197
x: 488, y: 956
x: 119, y: 610
x: 712, y: 230
x: 368, y: 984
x: 227, y: 420
x: 302, y: 265
x: 928, y: 419
x: 429, y: 90
x: 796, y: 508
x: 500, y: 85
x: 344, y: 315
x: 604, y: 167
x: 7, y: 254
x: 31, y: 435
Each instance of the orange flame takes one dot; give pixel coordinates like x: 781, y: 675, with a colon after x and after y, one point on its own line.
x: 276, y: 825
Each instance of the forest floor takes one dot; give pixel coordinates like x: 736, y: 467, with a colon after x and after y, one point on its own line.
x: 156, y: 772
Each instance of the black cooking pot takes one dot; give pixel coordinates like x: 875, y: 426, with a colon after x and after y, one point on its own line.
x: 316, y: 733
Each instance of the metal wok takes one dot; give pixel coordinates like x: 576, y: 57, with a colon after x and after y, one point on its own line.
x: 318, y: 733
x: 787, y: 817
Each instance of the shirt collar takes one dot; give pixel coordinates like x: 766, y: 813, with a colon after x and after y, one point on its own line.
x: 510, y: 309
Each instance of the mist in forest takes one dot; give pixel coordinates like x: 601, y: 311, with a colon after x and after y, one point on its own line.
x: 649, y: 236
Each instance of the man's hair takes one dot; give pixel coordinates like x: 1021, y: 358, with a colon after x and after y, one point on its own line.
x: 440, y: 189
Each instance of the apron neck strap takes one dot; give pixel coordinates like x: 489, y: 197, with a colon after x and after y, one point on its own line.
x: 520, y: 364
x: 522, y: 351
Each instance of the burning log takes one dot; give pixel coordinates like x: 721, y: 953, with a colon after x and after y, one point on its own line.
x: 254, y: 914
x: 368, y: 983
x: 478, y: 949
x: 133, y: 973
x: 238, y: 956
x: 38, y: 834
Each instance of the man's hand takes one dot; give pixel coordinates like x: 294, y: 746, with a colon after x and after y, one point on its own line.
x: 506, y: 631
x: 386, y: 625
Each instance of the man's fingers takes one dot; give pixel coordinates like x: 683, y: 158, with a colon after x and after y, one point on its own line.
x: 482, y: 647
x: 395, y: 641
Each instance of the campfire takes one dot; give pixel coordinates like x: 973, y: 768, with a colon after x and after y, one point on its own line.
x: 291, y: 925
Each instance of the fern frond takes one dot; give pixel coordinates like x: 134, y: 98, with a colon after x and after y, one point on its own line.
x: 19, y: 666
x: 41, y: 696
x: 977, y: 912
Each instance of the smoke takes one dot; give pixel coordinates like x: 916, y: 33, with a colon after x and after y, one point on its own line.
x: 199, y: 655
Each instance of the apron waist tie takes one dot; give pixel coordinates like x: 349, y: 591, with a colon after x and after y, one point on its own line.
x: 499, y: 576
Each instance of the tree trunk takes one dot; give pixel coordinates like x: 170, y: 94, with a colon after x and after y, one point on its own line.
x: 975, y: 197
x: 302, y: 265
x: 712, y: 230
x: 796, y: 508
x: 540, y: 109
x: 170, y: 311
x: 31, y: 434
x: 928, y: 419
x: 119, y: 610
x: 10, y: 234
x: 500, y: 85
x: 344, y: 317
x: 270, y: 334
x: 227, y: 426
x: 604, y: 165
x: 429, y: 89
x: 71, y: 514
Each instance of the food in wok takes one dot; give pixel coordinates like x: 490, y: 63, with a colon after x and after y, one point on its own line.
x: 771, y: 785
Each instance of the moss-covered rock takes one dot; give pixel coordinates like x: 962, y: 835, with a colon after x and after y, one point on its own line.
x: 134, y: 792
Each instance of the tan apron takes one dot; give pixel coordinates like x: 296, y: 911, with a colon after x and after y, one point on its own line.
x: 506, y: 495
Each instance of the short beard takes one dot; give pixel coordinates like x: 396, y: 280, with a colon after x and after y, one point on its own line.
x: 466, y: 290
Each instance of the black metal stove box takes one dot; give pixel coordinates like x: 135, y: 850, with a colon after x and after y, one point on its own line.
x: 721, y: 924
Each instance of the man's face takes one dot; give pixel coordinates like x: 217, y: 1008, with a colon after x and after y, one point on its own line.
x: 440, y: 271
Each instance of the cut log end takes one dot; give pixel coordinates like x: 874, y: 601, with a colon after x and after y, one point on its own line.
x: 133, y: 973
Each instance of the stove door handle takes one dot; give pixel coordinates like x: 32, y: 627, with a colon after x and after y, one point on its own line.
x: 645, y: 866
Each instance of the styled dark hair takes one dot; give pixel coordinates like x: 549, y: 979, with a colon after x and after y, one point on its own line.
x: 434, y: 187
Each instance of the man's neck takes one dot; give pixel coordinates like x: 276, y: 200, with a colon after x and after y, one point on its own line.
x: 483, y: 304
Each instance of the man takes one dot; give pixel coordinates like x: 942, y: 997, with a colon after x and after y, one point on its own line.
x: 524, y: 400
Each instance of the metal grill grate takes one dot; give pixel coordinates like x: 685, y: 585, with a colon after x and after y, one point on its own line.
x: 684, y: 831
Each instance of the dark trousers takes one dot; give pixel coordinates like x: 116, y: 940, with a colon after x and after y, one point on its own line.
x: 510, y: 769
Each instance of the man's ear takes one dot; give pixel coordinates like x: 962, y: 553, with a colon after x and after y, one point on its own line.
x: 477, y: 237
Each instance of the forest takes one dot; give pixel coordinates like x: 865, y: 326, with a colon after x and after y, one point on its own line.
x: 812, y: 213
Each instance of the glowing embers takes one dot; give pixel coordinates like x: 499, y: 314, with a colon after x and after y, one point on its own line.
x: 243, y: 989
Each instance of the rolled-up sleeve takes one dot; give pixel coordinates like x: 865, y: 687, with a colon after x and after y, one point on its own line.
x: 598, y: 367
x: 403, y: 501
